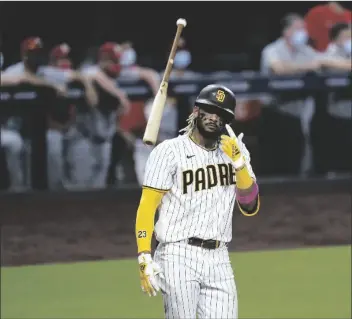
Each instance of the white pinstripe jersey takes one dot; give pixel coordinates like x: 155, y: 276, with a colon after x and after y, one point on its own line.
x: 201, y: 190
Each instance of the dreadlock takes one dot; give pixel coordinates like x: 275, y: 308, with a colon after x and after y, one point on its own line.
x: 191, y: 122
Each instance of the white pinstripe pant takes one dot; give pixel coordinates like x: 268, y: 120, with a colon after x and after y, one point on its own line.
x: 199, y: 283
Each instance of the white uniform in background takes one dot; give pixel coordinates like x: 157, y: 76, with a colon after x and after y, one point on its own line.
x: 168, y: 130
x: 79, y: 148
x: 12, y: 143
x: 200, y: 195
x: 16, y: 145
x: 89, y: 157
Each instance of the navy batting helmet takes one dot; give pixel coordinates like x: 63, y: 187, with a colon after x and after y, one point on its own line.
x: 219, y: 97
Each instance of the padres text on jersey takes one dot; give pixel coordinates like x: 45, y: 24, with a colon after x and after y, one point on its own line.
x: 200, y: 187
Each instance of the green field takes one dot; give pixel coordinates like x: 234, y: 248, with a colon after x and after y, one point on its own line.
x: 305, y: 283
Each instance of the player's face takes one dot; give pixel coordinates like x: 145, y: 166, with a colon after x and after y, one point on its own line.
x: 111, y: 67
x: 64, y: 64
x: 209, y: 123
x: 344, y: 37
x: 34, y: 59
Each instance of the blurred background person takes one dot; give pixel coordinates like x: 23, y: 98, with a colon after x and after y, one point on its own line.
x: 12, y: 130
x: 287, y: 121
x: 340, y: 45
x: 182, y: 61
x: 292, y: 112
x: 11, y: 143
x: 122, y: 166
x: 321, y: 18
x: 11, y: 147
x: 102, y: 122
x: 182, y: 70
x: 339, y: 132
x: 131, y: 70
x: 59, y: 57
x: 171, y: 121
x: 62, y: 117
x: 34, y: 69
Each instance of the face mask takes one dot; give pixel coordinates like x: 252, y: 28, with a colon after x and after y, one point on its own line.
x: 348, y: 46
x: 64, y: 64
x: 33, y: 63
x: 128, y: 57
x: 182, y: 59
x: 299, y: 38
x: 113, y: 70
x: 34, y: 60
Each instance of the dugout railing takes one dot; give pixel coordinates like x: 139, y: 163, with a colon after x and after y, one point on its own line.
x: 32, y: 102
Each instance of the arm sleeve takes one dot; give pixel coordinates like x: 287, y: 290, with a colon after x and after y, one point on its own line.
x: 160, y: 168
x: 148, y: 205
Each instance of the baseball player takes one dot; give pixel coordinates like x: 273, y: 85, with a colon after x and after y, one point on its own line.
x: 33, y: 70
x: 130, y: 70
x: 11, y: 141
x: 62, y: 118
x: 195, y: 180
x: 113, y: 102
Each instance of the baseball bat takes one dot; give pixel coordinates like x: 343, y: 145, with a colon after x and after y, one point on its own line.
x: 153, y: 124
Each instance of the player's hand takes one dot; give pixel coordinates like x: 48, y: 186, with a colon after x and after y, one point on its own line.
x: 149, y: 271
x: 230, y: 145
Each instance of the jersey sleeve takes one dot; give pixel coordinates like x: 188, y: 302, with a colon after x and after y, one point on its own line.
x: 160, y: 168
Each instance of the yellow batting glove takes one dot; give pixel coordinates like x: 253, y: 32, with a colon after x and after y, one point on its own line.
x: 148, y: 271
x: 229, y: 145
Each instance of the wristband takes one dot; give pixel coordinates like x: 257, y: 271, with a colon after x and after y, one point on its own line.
x: 144, y: 258
x: 239, y: 164
x: 246, y: 199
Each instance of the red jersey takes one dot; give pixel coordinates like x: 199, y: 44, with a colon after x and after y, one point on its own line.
x: 320, y: 19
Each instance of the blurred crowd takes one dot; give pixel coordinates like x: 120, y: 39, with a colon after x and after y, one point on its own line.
x: 319, y: 42
x: 86, y: 145
x: 92, y: 147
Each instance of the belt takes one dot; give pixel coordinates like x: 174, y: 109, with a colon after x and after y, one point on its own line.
x: 208, y: 244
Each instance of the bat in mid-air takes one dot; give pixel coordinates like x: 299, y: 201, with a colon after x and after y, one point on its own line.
x: 153, y: 124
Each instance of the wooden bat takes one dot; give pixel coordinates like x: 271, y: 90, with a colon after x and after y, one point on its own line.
x: 152, y: 129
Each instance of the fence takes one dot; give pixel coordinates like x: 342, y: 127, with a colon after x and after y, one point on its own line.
x: 32, y: 103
